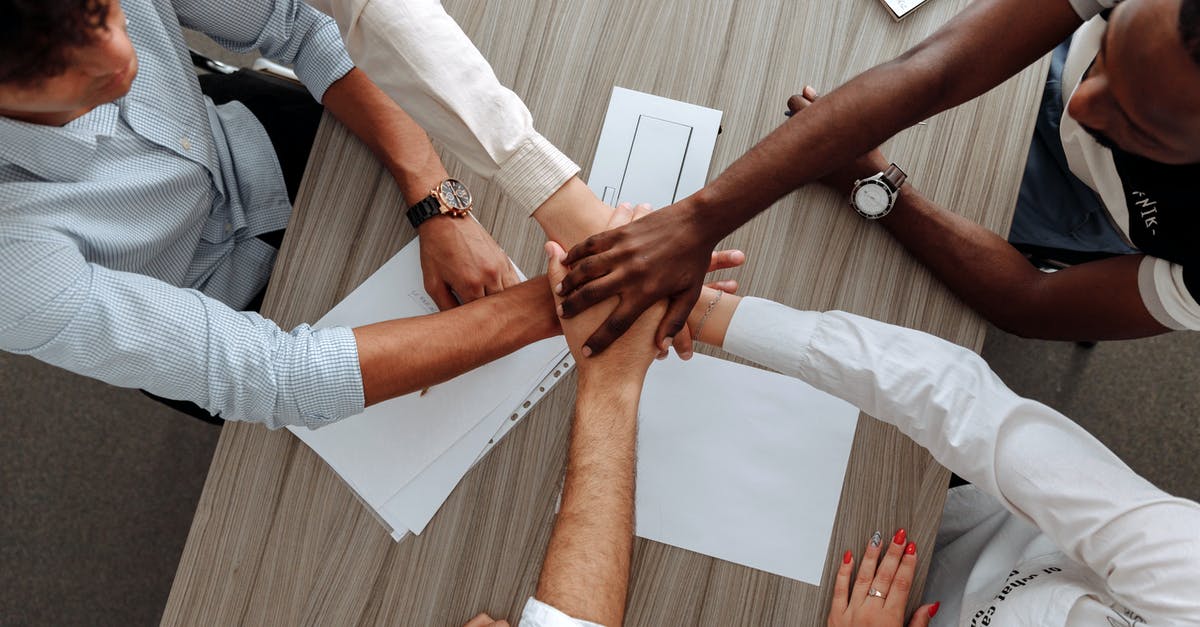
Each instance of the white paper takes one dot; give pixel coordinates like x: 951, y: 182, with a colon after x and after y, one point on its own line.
x: 381, y: 450
x: 741, y: 464
x: 652, y: 149
x: 415, y: 505
x: 901, y: 8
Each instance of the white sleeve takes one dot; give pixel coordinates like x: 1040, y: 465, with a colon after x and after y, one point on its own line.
x: 1139, y: 540
x: 1166, y: 295
x: 422, y: 59
x: 538, y: 614
x: 1087, y: 9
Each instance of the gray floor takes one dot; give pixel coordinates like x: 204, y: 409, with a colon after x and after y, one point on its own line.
x: 100, y: 483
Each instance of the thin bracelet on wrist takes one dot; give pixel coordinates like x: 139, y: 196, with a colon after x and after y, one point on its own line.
x: 707, y: 312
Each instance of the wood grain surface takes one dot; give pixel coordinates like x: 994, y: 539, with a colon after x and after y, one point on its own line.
x: 278, y: 539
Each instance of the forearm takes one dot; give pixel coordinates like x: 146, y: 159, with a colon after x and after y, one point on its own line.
x: 972, y: 53
x: 572, y: 214
x: 390, y: 133
x: 398, y: 357
x: 586, y: 569
x: 1093, y: 301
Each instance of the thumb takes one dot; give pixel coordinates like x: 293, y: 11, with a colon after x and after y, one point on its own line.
x: 923, y: 615
x: 555, y: 270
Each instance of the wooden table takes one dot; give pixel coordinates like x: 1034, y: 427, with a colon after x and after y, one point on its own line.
x: 278, y: 539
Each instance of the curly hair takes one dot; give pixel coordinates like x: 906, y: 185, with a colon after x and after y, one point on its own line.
x: 36, y: 36
x: 1189, y: 27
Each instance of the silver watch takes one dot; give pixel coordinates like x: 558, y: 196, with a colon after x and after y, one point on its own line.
x: 873, y: 197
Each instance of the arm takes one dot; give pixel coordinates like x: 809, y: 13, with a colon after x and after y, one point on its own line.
x: 131, y: 330
x: 1100, y: 300
x: 972, y: 53
x: 457, y: 256
x: 1039, y: 464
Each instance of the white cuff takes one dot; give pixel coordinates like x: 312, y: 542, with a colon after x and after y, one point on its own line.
x: 1165, y: 295
x: 771, y: 334
x: 538, y: 614
x: 534, y: 172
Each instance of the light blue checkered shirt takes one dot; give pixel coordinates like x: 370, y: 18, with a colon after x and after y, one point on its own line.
x: 127, y: 237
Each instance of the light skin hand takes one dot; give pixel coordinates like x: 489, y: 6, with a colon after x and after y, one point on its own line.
x: 457, y: 254
x: 459, y: 258
x: 892, y: 576
x: 483, y: 620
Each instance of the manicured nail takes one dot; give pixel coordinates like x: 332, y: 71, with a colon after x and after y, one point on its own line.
x: 900, y: 537
x: 558, y: 289
x: 847, y: 557
x: 934, y: 608
x: 789, y: 113
x: 876, y: 538
x: 587, y: 352
x: 911, y: 549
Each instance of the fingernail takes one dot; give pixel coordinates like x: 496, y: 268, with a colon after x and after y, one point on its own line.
x: 876, y: 538
x: 558, y: 289
x: 661, y: 355
x: 900, y: 537
x: 686, y: 356
x: 911, y: 549
x: 934, y: 608
x: 587, y: 352
x: 666, y: 343
x: 847, y: 557
x: 558, y: 308
x: 789, y: 113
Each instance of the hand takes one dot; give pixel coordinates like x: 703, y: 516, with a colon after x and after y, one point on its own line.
x: 841, y: 180
x: 664, y: 255
x: 893, y: 577
x: 483, y: 620
x: 631, y: 355
x: 458, y: 255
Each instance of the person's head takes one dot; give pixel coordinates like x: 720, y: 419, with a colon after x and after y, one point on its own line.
x: 62, y: 58
x: 1143, y: 91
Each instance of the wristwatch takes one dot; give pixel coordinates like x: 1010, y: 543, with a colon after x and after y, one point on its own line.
x: 449, y: 198
x: 873, y: 197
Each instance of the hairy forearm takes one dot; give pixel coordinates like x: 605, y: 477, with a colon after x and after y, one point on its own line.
x: 972, y: 53
x: 586, y: 569
x: 392, y: 136
x: 1092, y: 301
x: 398, y: 357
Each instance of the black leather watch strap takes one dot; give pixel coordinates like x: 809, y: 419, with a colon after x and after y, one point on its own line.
x: 422, y: 211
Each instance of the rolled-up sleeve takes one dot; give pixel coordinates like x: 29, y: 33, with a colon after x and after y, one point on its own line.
x: 538, y: 614
x: 287, y: 31
x: 422, y: 59
x: 1169, y: 292
x: 131, y: 330
x: 1087, y: 9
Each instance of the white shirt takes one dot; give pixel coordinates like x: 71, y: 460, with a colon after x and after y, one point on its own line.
x: 1055, y: 529
x: 420, y: 57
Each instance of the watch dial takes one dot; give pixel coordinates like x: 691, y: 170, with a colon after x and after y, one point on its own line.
x: 455, y: 195
x: 871, y: 198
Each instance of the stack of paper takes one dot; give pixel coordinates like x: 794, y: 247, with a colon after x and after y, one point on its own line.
x: 404, y: 457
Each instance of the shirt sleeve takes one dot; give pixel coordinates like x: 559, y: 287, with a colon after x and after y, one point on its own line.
x: 1168, y: 291
x: 131, y: 330
x: 422, y: 59
x: 1043, y: 467
x: 1087, y: 9
x: 538, y: 614
x: 286, y: 31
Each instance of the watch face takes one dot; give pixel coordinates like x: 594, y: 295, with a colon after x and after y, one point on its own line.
x: 871, y: 198
x: 455, y: 195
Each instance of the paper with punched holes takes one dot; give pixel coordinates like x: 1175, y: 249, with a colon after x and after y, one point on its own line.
x: 408, y: 452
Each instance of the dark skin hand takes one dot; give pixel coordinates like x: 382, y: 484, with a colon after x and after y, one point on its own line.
x: 665, y: 254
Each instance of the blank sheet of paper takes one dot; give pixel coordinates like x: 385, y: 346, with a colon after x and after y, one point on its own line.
x: 652, y: 149
x: 741, y: 464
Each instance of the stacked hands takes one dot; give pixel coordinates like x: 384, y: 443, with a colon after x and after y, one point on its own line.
x: 664, y: 256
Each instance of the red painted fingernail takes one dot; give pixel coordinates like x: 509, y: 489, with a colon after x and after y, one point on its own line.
x: 847, y: 557
x: 911, y: 549
x: 934, y: 608
x: 899, y: 537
